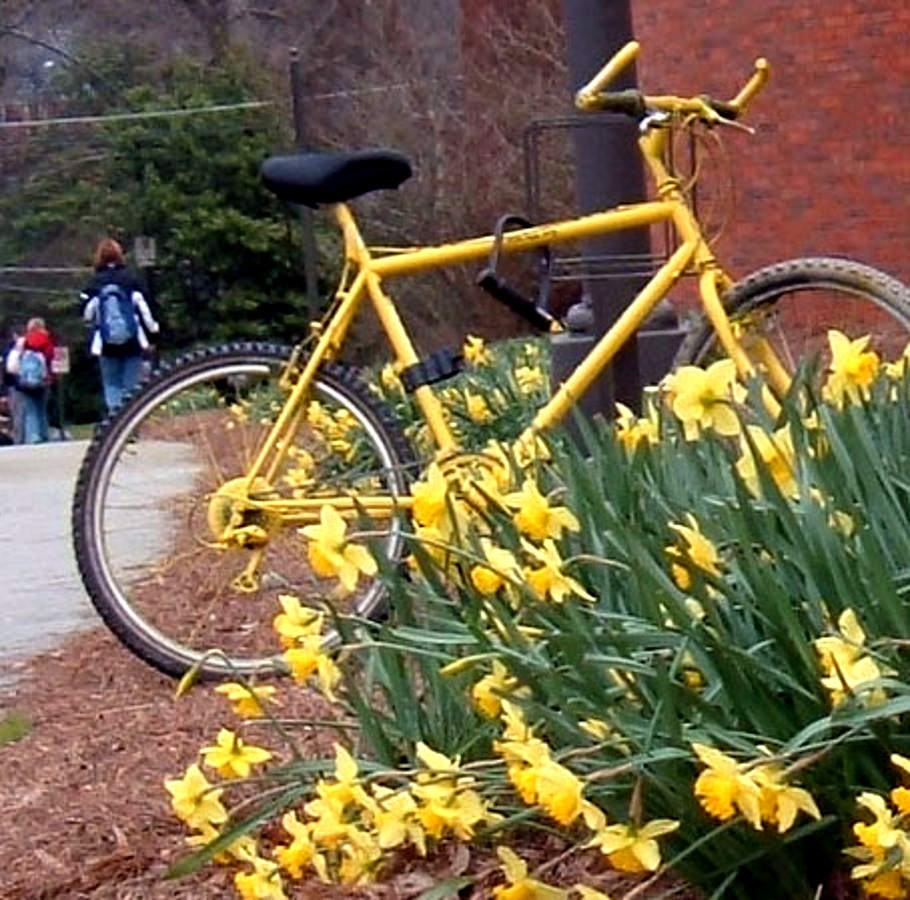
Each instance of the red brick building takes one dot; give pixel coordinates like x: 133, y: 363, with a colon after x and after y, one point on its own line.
x: 828, y: 171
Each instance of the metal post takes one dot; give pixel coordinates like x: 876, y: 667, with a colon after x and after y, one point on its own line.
x: 608, y: 172
x: 306, y: 215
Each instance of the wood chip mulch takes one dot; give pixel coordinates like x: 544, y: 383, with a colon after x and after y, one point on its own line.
x: 83, y: 811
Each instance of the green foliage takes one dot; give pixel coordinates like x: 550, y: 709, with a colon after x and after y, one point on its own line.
x: 13, y: 727
x: 228, y: 252
x: 728, y: 660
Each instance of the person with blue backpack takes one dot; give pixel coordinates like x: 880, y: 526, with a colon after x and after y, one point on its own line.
x: 114, y: 305
x: 29, y: 362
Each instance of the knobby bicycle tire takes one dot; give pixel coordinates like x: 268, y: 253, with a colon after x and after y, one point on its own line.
x: 149, y: 477
x: 795, y: 303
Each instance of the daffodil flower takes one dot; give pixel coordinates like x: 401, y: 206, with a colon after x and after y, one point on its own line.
x: 331, y: 554
x: 549, y: 580
x: 296, y: 621
x: 632, y: 848
x: 301, y: 851
x: 705, y: 398
x: 430, y: 507
x: 475, y: 351
x: 247, y: 702
x: 723, y: 788
x: 535, y: 517
x: 699, y: 551
x: 778, y: 456
x: 852, y: 370
x: 231, y: 757
x: 263, y: 883
x: 490, y: 690
x: 477, y: 408
x: 488, y: 579
x: 780, y: 803
x: 845, y: 668
x: 194, y: 800
x: 519, y: 886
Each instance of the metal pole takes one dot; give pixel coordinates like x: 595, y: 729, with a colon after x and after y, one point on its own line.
x: 306, y: 215
x: 608, y: 172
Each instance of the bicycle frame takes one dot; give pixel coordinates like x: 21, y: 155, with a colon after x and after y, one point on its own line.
x: 366, y: 269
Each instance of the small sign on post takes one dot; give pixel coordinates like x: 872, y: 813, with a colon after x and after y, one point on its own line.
x: 144, y: 251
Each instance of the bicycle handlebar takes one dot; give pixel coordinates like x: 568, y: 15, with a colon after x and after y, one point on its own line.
x: 635, y: 104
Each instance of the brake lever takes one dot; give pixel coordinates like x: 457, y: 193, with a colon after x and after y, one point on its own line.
x: 658, y: 118
x: 732, y: 123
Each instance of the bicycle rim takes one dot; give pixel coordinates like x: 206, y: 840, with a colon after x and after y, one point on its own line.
x: 151, y: 504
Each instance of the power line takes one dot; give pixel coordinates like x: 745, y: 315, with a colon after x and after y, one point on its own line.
x: 152, y: 114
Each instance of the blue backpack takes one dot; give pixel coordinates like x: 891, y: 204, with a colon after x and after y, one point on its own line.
x: 116, y: 315
x: 32, y: 370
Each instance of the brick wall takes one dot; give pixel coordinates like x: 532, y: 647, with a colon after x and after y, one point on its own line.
x: 828, y: 171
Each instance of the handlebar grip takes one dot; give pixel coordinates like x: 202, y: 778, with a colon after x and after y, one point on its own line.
x: 586, y: 95
x: 728, y: 110
x: 753, y: 85
x: 630, y: 102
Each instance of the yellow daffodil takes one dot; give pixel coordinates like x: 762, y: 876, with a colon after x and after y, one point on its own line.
x: 530, y: 379
x: 475, y: 351
x: 780, y: 802
x: 777, y: 455
x: 900, y: 796
x: 881, y: 833
x: 301, y: 852
x: 490, y: 690
x: 852, y: 370
x: 296, y: 621
x: 331, y: 554
x: 589, y: 893
x: 194, y: 800
x: 549, y: 581
x: 477, y: 408
x: 231, y: 757
x: 529, y: 449
x: 519, y: 886
x: 448, y: 802
x: 535, y: 517
x: 242, y: 848
x: 698, y: 552
x: 430, y: 507
x: 502, y: 566
x: 309, y: 659
x: 247, y: 702
x: 844, y: 666
x: 632, y: 431
x: 395, y: 819
x: 388, y: 376
x: 705, y: 398
x: 263, y: 883
x: 897, y: 369
x: 723, y: 788
x: 632, y: 848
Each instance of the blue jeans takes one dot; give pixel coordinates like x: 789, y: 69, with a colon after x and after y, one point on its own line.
x: 34, y: 415
x: 119, y: 375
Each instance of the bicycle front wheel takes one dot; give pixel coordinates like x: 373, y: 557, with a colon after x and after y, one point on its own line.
x: 163, y: 483
x: 793, y: 305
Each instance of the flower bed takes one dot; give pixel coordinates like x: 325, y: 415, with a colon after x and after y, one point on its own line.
x: 679, y: 645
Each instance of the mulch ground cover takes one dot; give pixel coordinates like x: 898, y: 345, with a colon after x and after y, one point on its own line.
x: 84, y: 814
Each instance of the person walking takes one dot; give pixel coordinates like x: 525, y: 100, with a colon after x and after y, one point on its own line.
x: 113, y: 304
x: 11, y: 353
x: 30, y: 362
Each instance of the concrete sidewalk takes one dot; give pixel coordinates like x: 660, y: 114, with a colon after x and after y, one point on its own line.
x: 41, y: 596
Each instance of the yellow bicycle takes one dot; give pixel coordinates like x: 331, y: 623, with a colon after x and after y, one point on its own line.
x: 189, y: 500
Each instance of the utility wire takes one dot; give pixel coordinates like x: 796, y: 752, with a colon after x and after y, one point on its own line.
x: 152, y: 114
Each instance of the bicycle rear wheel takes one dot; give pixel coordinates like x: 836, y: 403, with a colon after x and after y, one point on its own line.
x: 157, y: 489
x: 793, y: 305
